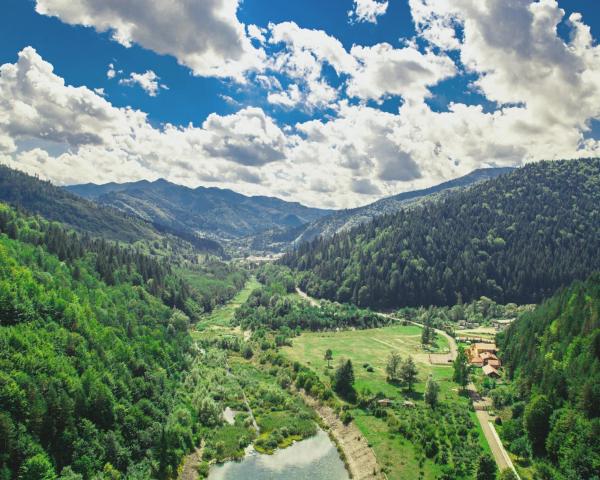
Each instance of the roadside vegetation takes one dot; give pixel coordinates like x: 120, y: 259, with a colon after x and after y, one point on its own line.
x: 549, y: 415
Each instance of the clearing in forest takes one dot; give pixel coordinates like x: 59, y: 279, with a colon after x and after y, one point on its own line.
x: 402, y: 458
x: 221, y: 316
x: 368, y: 348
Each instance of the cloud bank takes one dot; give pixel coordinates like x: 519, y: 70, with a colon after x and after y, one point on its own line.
x: 541, y: 92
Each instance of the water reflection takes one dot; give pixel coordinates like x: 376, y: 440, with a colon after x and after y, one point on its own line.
x: 315, y: 458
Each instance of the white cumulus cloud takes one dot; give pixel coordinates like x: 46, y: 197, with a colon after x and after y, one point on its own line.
x: 205, y: 35
x: 367, y: 10
x: 148, y: 81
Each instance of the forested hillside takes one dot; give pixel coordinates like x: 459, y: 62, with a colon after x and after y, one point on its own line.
x: 553, y: 355
x: 54, y: 203
x: 347, y: 219
x: 516, y: 238
x: 94, y: 343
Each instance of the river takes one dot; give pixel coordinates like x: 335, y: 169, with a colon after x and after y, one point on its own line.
x: 315, y: 458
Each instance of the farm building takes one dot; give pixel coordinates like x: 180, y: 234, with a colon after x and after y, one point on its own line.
x: 491, y: 372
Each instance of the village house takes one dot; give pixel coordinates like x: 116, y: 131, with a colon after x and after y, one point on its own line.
x: 484, y: 355
x: 488, y: 358
x: 490, y: 371
x: 476, y: 350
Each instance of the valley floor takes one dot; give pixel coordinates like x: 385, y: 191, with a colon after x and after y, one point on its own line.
x: 373, y: 444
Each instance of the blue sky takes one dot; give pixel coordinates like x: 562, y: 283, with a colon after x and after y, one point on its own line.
x: 333, y: 103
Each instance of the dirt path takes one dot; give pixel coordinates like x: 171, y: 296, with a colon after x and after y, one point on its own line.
x: 394, y: 347
x: 189, y: 470
x: 360, y: 459
x: 310, y: 300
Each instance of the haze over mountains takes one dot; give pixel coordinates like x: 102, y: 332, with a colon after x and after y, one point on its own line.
x: 346, y: 219
x: 250, y: 224
x: 218, y: 213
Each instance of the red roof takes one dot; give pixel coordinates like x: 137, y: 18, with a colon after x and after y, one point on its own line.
x: 489, y: 370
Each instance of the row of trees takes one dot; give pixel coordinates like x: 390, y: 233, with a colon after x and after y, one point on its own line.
x: 516, y: 238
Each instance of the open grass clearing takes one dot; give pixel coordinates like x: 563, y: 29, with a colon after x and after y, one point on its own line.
x: 401, y: 458
x: 367, y: 347
x: 221, y: 316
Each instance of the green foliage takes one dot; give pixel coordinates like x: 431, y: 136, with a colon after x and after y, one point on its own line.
x: 270, y: 308
x: 213, y: 282
x: 537, y: 422
x: 37, y: 467
x: 392, y: 368
x: 432, y: 391
x: 446, y: 435
x: 486, y: 469
x: 328, y: 357
x: 343, y: 381
x: 409, y: 373
x: 553, y: 355
x: 461, y: 368
x: 516, y: 238
x: 93, y: 350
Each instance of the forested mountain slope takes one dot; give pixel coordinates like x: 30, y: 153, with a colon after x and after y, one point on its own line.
x: 515, y: 238
x: 54, y: 203
x: 553, y: 354
x: 210, y: 211
x: 347, y: 219
x: 93, y: 345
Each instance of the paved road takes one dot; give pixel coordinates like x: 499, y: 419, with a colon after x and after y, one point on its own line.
x: 500, y: 455
x: 482, y: 405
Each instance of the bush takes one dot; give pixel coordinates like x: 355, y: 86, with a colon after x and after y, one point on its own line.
x: 203, y: 469
x: 346, y: 417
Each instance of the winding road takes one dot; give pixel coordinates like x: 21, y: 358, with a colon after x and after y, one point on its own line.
x: 481, y: 404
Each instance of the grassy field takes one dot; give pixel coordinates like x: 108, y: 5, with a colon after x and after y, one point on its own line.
x: 367, y: 347
x: 488, y: 333
x: 401, y: 458
x: 221, y: 316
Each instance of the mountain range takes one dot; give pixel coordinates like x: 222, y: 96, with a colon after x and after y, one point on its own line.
x: 346, y: 219
x: 250, y: 224
x: 213, y: 212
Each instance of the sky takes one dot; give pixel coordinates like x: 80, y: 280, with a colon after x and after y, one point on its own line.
x: 331, y: 103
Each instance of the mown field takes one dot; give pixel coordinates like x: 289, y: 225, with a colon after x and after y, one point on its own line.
x: 367, y: 347
x: 402, y: 458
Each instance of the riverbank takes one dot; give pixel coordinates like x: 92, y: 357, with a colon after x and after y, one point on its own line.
x: 189, y: 470
x: 357, y: 455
